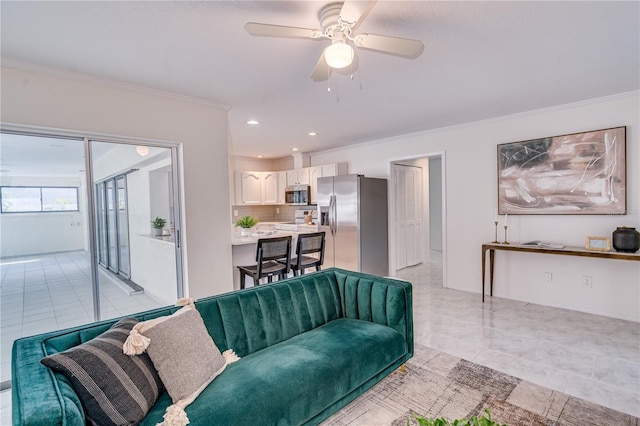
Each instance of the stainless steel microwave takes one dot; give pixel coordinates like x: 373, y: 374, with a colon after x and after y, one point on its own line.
x: 297, y: 195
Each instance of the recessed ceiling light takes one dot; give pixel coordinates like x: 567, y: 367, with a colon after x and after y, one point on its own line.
x: 253, y: 122
x: 294, y: 149
x: 312, y: 134
x: 260, y: 156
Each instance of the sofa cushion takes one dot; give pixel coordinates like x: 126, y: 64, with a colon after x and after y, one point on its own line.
x: 113, y: 387
x: 182, y: 351
x: 295, y: 380
x: 184, y: 354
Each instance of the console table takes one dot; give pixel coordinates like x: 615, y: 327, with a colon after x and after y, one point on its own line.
x: 567, y: 251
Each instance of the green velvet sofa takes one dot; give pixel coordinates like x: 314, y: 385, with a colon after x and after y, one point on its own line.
x: 308, y: 345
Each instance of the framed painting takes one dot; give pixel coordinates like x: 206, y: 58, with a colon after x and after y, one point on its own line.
x: 580, y: 173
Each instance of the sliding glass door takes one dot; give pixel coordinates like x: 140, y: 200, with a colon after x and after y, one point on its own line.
x: 133, y: 185
x: 124, y: 266
x: 113, y: 225
x: 76, y: 243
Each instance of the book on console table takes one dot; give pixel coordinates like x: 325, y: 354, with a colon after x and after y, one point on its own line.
x: 543, y: 244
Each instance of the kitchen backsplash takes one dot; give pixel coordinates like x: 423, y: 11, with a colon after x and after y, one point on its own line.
x: 268, y: 213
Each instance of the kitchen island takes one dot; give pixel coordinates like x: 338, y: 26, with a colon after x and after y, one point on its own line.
x: 244, y: 247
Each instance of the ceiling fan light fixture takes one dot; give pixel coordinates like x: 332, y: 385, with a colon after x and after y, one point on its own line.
x: 338, y: 55
x: 142, y: 150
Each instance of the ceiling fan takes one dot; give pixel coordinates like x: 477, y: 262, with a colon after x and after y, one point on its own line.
x: 339, y: 22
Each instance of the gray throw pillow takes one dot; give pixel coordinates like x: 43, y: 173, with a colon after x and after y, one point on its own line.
x: 184, y: 354
x: 114, y: 388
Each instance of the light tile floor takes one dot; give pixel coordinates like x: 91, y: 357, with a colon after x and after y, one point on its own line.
x: 42, y: 293
x: 588, y: 356
x: 591, y: 357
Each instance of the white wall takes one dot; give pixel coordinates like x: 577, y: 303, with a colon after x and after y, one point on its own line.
x: 471, y: 193
x: 245, y: 164
x: 80, y: 103
x: 35, y: 233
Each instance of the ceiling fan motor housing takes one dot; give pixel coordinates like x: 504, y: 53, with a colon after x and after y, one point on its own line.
x: 332, y: 26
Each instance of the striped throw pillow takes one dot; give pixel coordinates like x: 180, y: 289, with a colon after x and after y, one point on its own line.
x: 114, y: 388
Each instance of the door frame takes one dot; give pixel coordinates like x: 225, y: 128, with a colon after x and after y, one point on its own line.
x: 178, y: 181
x: 391, y: 209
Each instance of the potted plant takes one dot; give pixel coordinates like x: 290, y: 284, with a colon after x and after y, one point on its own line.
x: 246, y: 223
x: 157, y: 224
x: 484, y: 420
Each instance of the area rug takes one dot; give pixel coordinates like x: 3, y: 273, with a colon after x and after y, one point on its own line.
x: 436, y: 384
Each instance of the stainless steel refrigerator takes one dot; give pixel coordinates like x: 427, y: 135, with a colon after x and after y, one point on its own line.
x: 353, y: 214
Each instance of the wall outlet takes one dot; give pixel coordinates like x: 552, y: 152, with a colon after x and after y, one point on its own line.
x: 587, y: 281
x: 235, y: 213
x: 548, y: 277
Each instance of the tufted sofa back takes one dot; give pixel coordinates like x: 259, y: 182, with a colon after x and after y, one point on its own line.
x: 249, y: 320
x: 257, y: 317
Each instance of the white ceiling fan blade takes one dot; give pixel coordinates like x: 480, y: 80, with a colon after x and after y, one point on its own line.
x: 268, y: 30
x: 322, y: 71
x: 404, y: 47
x: 354, y: 12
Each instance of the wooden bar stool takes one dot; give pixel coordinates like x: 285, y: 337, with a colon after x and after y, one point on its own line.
x: 273, y: 257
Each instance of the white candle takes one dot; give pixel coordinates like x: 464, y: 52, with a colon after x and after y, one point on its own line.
x: 496, y: 215
x: 506, y: 217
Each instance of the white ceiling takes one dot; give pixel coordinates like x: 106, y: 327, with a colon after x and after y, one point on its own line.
x: 27, y: 155
x: 481, y: 60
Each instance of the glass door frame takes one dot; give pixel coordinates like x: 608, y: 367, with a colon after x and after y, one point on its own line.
x: 92, y: 202
x: 176, y: 209
x: 115, y: 262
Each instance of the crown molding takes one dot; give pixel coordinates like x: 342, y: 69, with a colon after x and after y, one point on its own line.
x: 88, y: 78
x: 485, y: 121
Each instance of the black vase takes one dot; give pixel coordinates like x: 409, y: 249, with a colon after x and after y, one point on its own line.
x: 626, y: 240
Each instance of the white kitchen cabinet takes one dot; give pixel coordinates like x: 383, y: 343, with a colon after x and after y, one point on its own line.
x: 250, y: 188
x: 282, y: 185
x: 314, y: 174
x: 324, y: 170
x: 270, y: 188
x: 260, y: 188
x: 298, y: 176
x: 334, y: 169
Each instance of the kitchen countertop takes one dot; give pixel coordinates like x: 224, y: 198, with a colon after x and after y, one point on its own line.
x: 269, y: 230
x: 238, y: 240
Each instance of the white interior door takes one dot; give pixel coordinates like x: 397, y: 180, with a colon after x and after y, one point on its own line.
x: 400, y: 216
x: 408, y: 215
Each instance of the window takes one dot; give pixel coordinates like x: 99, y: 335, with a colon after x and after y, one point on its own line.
x: 22, y: 199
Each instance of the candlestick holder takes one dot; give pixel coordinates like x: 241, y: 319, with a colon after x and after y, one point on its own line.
x: 495, y: 240
x: 506, y: 241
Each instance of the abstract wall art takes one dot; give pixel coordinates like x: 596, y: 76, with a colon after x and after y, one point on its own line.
x: 580, y: 173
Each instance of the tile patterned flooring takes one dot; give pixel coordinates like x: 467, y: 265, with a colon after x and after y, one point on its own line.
x: 591, y: 357
x: 588, y: 356
x: 42, y: 293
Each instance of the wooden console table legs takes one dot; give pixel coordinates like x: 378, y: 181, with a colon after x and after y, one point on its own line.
x: 484, y: 264
x: 566, y: 251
